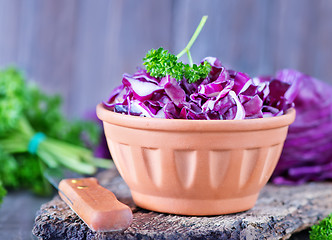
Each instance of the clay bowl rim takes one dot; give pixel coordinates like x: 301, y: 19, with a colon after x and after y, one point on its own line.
x: 179, y: 125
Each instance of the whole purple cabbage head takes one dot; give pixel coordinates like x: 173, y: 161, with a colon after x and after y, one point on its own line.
x: 307, y: 153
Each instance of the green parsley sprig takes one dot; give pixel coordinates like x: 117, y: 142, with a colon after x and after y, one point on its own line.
x: 322, y: 230
x: 160, y: 63
x: 24, y: 111
x: 3, y: 192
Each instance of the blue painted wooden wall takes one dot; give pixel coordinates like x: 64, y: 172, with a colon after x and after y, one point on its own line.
x: 80, y: 48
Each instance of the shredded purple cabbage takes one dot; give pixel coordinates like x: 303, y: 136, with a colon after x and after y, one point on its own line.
x: 307, y: 153
x: 227, y: 94
x: 224, y: 95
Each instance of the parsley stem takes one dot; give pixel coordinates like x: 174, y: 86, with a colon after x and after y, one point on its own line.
x: 190, y: 58
x: 193, y: 39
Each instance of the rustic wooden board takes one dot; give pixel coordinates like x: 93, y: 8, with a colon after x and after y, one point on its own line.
x: 279, y: 212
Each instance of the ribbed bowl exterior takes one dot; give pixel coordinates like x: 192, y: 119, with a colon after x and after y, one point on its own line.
x: 196, y: 169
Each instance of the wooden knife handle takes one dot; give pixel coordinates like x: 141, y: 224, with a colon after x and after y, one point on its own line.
x: 95, y: 205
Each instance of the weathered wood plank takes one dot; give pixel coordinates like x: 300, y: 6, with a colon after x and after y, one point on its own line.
x: 9, y: 31
x: 80, y: 49
x: 106, y: 45
x: 279, y: 212
x: 17, y: 214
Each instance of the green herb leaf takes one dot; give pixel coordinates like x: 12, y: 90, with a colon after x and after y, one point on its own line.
x: 196, y: 72
x: 323, y: 230
x: 25, y: 110
x: 45, y: 115
x: 12, y: 98
x: 9, y: 167
x: 3, y: 192
x: 160, y: 63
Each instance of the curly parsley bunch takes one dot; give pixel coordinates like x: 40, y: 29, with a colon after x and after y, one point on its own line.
x: 3, y: 192
x: 26, y: 112
x: 160, y: 63
x: 322, y: 230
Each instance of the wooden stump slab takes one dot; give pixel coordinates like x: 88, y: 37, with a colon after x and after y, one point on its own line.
x: 279, y: 212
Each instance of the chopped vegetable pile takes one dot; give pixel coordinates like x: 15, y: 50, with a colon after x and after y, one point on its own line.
x: 173, y: 90
x: 165, y: 90
x: 224, y: 94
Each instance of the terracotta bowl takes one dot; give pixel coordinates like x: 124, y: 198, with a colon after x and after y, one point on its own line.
x: 195, y: 167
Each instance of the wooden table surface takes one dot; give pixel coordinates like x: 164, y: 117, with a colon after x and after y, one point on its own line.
x: 280, y: 212
x: 17, y: 214
x: 18, y: 211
